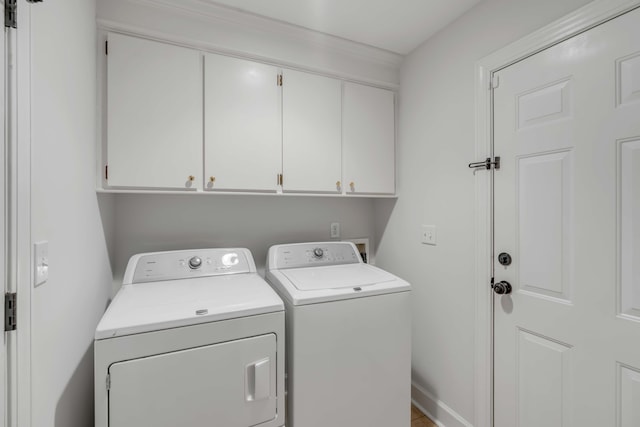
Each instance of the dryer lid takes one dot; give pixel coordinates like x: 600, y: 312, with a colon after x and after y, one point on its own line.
x: 336, y: 277
x: 152, y: 306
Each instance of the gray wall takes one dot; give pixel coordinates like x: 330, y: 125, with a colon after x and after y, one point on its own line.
x: 165, y: 222
x: 65, y: 211
x: 436, y: 141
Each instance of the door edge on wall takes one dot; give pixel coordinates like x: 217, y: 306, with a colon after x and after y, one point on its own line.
x: 586, y: 17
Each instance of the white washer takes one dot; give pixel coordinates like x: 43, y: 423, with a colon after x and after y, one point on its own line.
x: 192, y: 338
x: 348, y: 337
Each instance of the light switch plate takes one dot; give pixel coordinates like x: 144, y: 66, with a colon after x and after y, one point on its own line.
x: 429, y: 235
x: 40, y: 262
x: 335, y: 230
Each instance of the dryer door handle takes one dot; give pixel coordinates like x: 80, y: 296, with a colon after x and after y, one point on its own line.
x: 258, y: 380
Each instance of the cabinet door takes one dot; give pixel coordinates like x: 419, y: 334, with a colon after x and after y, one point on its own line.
x: 311, y: 127
x: 243, y: 130
x: 154, y: 130
x: 369, y: 139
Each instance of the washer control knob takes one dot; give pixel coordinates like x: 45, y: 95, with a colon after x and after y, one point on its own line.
x: 195, y: 262
x: 318, y: 252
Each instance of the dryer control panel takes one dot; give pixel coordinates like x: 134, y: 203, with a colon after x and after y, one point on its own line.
x: 312, y: 254
x: 174, y: 265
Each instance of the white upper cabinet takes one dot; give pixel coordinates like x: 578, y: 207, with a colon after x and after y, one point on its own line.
x: 183, y: 119
x: 243, y: 137
x: 368, y: 140
x: 154, y: 114
x: 311, y: 127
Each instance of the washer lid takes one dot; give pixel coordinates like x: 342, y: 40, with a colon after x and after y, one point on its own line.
x: 336, y: 277
x: 152, y: 306
x: 312, y: 285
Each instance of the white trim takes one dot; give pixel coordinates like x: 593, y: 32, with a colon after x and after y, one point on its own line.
x: 105, y: 25
x: 247, y: 193
x: 229, y: 29
x: 22, y: 363
x: 220, y: 14
x: 4, y: 220
x: 591, y: 15
x: 437, y: 410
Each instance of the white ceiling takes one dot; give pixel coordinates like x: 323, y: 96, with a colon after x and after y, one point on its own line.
x: 395, y: 25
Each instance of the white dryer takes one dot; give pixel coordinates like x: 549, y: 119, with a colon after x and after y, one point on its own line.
x: 348, y: 337
x: 193, y: 338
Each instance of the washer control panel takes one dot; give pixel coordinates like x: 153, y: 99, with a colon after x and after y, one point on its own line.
x: 313, y: 254
x: 176, y: 265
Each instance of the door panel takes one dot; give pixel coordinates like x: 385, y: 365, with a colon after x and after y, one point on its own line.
x: 232, y: 384
x: 154, y: 114
x: 544, y: 228
x: 628, y: 83
x: 368, y: 130
x: 311, y: 133
x: 630, y: 236
x: 541, y: 397
x: 629, y: 389
x: 242, y: 120
x: 566, y: 199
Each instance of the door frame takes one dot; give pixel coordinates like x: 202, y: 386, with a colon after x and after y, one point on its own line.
x: 20, y: 256
x: 583, y: 19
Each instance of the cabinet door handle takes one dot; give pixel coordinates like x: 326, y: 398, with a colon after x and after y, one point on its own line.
x: 191, y: 177
x: 352, y: 185
x: 338, y: 183
x: 212, y: 179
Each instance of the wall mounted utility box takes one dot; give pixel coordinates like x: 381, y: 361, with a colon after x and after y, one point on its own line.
x: 363, y: 248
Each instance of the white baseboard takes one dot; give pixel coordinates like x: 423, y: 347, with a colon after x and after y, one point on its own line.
x: 438, y: 411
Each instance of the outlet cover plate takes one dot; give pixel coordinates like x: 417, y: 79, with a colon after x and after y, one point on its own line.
x: 428, y: 235
x: 335, y: 230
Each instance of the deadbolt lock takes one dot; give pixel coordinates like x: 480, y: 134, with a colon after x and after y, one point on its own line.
x: 504, y: 259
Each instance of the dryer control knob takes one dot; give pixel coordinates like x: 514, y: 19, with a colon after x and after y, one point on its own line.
x: 195, y: 262
x: 318, y: 252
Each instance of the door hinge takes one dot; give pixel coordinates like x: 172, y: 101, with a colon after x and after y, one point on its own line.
x: 495, y: 82
x: 280, y: 179
x: 486, y: 164
x: 106, y: 47
x: 279, y: 79
x: 11, y: 13
x: 108, y: 382
x: 106, y: 172
x: 10, y: 322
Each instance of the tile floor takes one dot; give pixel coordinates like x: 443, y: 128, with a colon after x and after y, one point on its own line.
x: 418, y: 419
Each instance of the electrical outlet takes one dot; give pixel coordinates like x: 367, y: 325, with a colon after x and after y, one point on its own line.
x: 40, y: 262
x: 428, y: 234
x: 335, y: 230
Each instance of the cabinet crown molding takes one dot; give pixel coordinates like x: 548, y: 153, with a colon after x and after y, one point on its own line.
x: 125, y: 15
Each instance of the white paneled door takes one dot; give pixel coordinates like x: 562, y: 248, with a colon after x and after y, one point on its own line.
x: 567, y: 211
